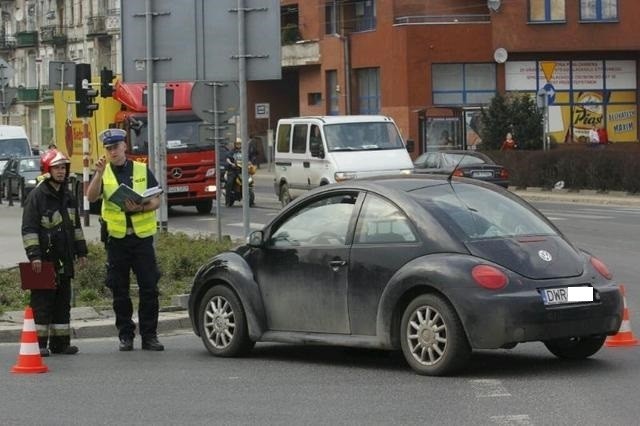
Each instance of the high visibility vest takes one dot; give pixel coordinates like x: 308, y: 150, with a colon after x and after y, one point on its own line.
x: 143, y: 223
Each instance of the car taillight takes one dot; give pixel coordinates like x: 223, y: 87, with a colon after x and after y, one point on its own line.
x: 489, y: 277
x: 458, y: 172
x: 504, y: 174
x: 601, y: 268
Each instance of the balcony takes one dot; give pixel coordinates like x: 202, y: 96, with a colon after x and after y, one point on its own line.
x: 28, y: 95
x: 303, y: 52
x: 46, y: 95
x: 7, y: 42
x: 96, y: 26
x: 53, y: 35
x: 26, y: 39
x: 442, y: 19
x: 112, y: 22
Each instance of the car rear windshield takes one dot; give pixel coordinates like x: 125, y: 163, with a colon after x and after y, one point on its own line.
x: 462, y: 159
x: 476, y: 212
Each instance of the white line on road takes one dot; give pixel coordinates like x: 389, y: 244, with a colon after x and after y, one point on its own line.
x: 489, y: 388
x: 515, y: 419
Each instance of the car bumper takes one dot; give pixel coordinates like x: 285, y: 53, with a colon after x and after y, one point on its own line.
x: 496, y: 320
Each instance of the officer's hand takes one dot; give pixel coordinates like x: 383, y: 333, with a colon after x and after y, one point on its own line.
x: 36, y: 266
x: 101, y: 164
x: 82, y: 262
x: 132, y: 207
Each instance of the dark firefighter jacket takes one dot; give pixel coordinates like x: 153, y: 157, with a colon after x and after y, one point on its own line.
x: 51, y: 228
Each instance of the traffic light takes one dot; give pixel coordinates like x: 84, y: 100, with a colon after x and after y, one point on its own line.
x: 85, y: 95
x: 106, y: 77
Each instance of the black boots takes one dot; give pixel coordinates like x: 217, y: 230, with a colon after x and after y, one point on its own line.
x: 126, y: 344
x: 65, y: 350
x: 152, y: 344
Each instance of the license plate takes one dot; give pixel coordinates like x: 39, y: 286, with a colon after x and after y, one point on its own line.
x: 481, y: 174
x: 563, y: 295
x: 182, y: 188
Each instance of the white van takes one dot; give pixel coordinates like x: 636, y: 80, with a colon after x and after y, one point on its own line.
x: 13, y: 143
x: 314, y: 151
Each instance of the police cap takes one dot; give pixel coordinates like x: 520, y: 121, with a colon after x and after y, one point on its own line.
x: 111, y: 136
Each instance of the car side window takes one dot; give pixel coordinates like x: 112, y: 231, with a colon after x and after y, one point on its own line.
x: 284, y: 134
x: 299, y: 142
x: 382, y: 222
x: 323, y: 222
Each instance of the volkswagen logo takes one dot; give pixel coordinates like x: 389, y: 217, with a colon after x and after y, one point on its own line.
x: 176, y: 173
x: 545, y: 255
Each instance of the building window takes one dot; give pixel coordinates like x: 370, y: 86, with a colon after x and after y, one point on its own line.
x: 546, y: 11
x: 369, y: 90
x: 598, y: 10
x: 360, y: 15
x: 463, y: 84
x: 314, y: 98
x: 333, y: 107
x: 331, y: 18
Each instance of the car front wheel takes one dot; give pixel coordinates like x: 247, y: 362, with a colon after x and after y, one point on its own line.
x: 223, y: 323
x: 432, y: 337
x: 575, y: 347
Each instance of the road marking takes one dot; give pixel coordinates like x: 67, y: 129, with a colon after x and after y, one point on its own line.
x: 251, y: 225
x: 513, y: 419
x: 489, y: 388
x: 556, y: 218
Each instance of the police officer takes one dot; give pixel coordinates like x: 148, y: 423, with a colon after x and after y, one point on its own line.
x: 51, y: 232
x: 129, y: 240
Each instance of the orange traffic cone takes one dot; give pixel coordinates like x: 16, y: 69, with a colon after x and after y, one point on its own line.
x: 624, y: 336
x: 29, y: 359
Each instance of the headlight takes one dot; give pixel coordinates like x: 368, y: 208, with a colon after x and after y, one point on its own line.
x: 31, y: 182
x: 406, y: 171
x: 210, y: 188
x: 342, y: 176
x: 210, y: 173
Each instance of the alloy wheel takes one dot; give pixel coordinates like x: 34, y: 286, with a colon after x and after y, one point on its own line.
x: 427, y: 335
x: 219, y: 322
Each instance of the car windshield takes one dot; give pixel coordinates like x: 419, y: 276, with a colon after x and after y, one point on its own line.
x: 14, y: 148
x: 29, y: 165
x: 362, y: 136
x: 479, y: 213
x: 181, y: 136
x: 462, y: 159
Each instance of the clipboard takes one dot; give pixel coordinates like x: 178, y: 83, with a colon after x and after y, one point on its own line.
x: 45, y: 280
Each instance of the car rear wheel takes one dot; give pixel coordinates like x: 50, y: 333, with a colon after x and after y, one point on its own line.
x: 223, y: 324
x: 432, y: 337
x: 575, y: 347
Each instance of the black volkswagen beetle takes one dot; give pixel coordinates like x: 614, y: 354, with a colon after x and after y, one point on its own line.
x: 427, y: 265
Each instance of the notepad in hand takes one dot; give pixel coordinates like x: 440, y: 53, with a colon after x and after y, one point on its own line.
x: 45, y: 280
x: 125, y: 192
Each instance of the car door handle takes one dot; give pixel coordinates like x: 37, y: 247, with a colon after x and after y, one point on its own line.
x: 306, y: 164
x: 337, y: 264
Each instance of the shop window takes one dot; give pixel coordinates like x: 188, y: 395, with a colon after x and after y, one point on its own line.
x: 368, y: 90
x: 463, y: 84
x: 547, y: 11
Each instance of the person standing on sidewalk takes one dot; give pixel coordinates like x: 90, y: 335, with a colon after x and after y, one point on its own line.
x: 51, y: 232
x: 129, y: 241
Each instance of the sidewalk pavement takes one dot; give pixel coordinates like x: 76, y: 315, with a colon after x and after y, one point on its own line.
x: 89, y: 322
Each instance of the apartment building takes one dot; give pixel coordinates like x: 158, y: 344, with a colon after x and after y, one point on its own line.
x: 36, y: 32
x: 432, y: 64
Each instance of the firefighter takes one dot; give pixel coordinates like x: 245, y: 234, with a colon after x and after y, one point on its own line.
x: 51, y: 231
x: 129, y: 241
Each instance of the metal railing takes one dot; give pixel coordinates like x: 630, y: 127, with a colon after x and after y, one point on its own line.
x: 442, y: 19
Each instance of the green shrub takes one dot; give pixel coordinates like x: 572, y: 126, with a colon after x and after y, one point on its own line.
x: 179, y: 257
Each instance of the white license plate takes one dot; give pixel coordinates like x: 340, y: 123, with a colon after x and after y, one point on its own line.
x: 481, y: 174
x: 563, y: 295
x: 182, y: 188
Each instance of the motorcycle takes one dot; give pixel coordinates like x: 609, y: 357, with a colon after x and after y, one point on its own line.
x: 234, y: 193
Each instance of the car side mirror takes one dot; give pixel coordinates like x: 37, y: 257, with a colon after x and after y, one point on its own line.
x: 256, y: 239
x: 315, y: 146
x: 411, y: 145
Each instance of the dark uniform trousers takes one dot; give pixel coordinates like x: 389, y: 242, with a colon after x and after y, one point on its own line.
x: 123, y: 255
x: 51, y: 314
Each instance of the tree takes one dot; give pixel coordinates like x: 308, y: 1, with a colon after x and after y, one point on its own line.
x: 516, y: 114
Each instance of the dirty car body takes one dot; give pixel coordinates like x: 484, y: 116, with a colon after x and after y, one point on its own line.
x: 430, y: 266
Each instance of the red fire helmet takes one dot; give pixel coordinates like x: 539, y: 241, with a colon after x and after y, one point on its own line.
x: 53, y: 157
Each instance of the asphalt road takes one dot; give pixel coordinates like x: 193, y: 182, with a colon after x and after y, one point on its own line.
x: 290, y: 384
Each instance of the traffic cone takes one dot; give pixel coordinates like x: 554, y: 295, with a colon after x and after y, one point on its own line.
x: 29, y: 359
x: 624, y: 336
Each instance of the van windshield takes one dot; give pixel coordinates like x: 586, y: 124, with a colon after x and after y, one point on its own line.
x: 14, y: 148
x: 362, y: 136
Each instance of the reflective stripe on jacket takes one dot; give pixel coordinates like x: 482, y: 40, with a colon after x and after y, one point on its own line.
x: 143, y: 223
